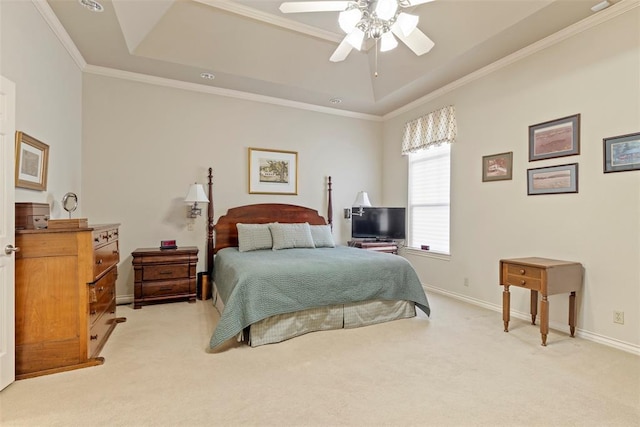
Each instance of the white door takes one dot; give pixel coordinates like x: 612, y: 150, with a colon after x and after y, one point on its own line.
x: 7, y: 232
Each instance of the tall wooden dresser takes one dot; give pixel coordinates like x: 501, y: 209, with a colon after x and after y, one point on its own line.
x: 65, y: 297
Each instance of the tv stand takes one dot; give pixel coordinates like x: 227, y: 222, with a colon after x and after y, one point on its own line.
x: 375, y: 245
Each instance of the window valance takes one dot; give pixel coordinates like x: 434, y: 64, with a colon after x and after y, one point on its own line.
x: 436, y: 128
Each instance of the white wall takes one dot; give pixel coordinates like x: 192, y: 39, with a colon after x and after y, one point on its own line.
x: 48, y: 98
x: 143, y: 145
x: 596, y: 74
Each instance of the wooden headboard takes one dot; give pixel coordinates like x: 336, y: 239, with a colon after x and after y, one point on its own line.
x: 226, y: 233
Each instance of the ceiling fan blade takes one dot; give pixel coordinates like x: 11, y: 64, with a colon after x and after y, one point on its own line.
x: 417, y: 41
x: 313, y: 6
x: 417, y: 2
x: 341, y: 53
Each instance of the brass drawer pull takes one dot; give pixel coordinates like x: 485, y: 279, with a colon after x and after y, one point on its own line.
x: 523, y: 282
x: 522, y: 271
x: 99, y: 262
x: 165, y: 272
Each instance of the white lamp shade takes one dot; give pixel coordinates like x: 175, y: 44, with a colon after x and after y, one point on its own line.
x: 196, y: 194
x: 388, y: 42
x: 348, y: 19
x: 407, y: 23
x: 386, y: 9
x: 362, y: 199
x: 355, y: 38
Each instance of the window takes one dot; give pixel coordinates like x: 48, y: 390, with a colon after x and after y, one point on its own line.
x: 429, y: 199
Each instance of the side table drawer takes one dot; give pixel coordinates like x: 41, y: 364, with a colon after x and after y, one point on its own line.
x: 523, y: 282
x: 160, y: 288
x: 524, y: 270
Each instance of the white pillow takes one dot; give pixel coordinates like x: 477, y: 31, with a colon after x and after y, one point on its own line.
x: 322, y: 237
x: 252, y: 237
x: 287, y: 236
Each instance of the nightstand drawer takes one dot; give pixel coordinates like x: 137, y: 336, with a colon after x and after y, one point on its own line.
x: 165, y: 272
x: 161, y: 289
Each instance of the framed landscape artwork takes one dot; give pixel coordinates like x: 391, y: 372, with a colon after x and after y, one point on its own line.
x: 497, y: 167
x: 555, y: 138
x: 622, y: 153
x: 32, y: 158
x: 553, y: 180
x: 273, y: 171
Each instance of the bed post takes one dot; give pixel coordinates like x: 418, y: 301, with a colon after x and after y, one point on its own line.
x: 330, y: 205
x: 210, y: 228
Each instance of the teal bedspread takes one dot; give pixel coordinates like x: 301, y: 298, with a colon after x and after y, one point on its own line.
x: 259, y: 284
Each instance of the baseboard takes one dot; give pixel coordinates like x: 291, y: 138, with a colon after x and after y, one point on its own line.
x: 610, y: 342
x: 124, y: 299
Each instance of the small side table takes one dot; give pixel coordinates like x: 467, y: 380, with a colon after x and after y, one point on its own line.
x: 163, y: 275
x: 547, y: 276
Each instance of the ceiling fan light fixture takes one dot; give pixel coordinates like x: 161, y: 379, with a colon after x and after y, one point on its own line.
x: 407, y: 23
x: 349, y: 18
x: 355, y: 38
x: 388, y: 42
x: 386, y: 9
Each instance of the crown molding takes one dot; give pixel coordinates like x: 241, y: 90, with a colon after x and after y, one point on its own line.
x: 230, y: 93
x: 54, y: 23
x: 587, y: 23
x: 258, y: 15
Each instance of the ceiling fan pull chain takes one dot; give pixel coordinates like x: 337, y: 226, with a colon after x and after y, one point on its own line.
x: 375, y: 74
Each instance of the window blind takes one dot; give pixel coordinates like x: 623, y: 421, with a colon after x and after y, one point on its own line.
x: 429, y: 198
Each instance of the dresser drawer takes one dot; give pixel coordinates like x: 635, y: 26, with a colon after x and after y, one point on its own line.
x: 168, y: 288
x: 101, y: 328
x: 102, y: 295
x: 105, y: 257
x: 165, y: 272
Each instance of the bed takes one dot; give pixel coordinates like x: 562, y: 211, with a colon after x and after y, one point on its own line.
x: 278, y: 274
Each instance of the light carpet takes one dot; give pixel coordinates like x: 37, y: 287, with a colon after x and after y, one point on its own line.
x: 457, y: 368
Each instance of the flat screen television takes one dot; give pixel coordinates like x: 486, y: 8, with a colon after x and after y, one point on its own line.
x: 378, y: 223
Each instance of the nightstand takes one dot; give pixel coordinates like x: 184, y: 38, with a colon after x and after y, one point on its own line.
x: 164, y: 275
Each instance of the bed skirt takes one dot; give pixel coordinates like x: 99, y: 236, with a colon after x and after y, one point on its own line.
x: 282, y: 327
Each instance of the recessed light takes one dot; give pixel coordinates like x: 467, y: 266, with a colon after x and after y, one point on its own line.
x: 92, y: 5
x: 335, y: 100
x: 207, y: 76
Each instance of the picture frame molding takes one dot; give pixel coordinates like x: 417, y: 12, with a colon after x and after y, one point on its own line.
x: 35, y: 148
x: 485, y: 167
x: 573, y: 121
x: 607, y: 155
x: 258, y: 186
x: 571, y: 188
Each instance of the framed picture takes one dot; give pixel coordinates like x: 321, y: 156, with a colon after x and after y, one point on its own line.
x: 32, y: 158
x: 622, y: 153
x: 497, y: 167
x: 556, y: 138
x: 553, y: 180
x: 273, y: 171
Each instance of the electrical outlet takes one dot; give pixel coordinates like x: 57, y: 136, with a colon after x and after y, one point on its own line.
x: 190, y: 226
x: 466, y: 282
x: 618, y: 317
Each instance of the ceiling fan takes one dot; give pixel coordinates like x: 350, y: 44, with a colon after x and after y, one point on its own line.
x: 376, y: 19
